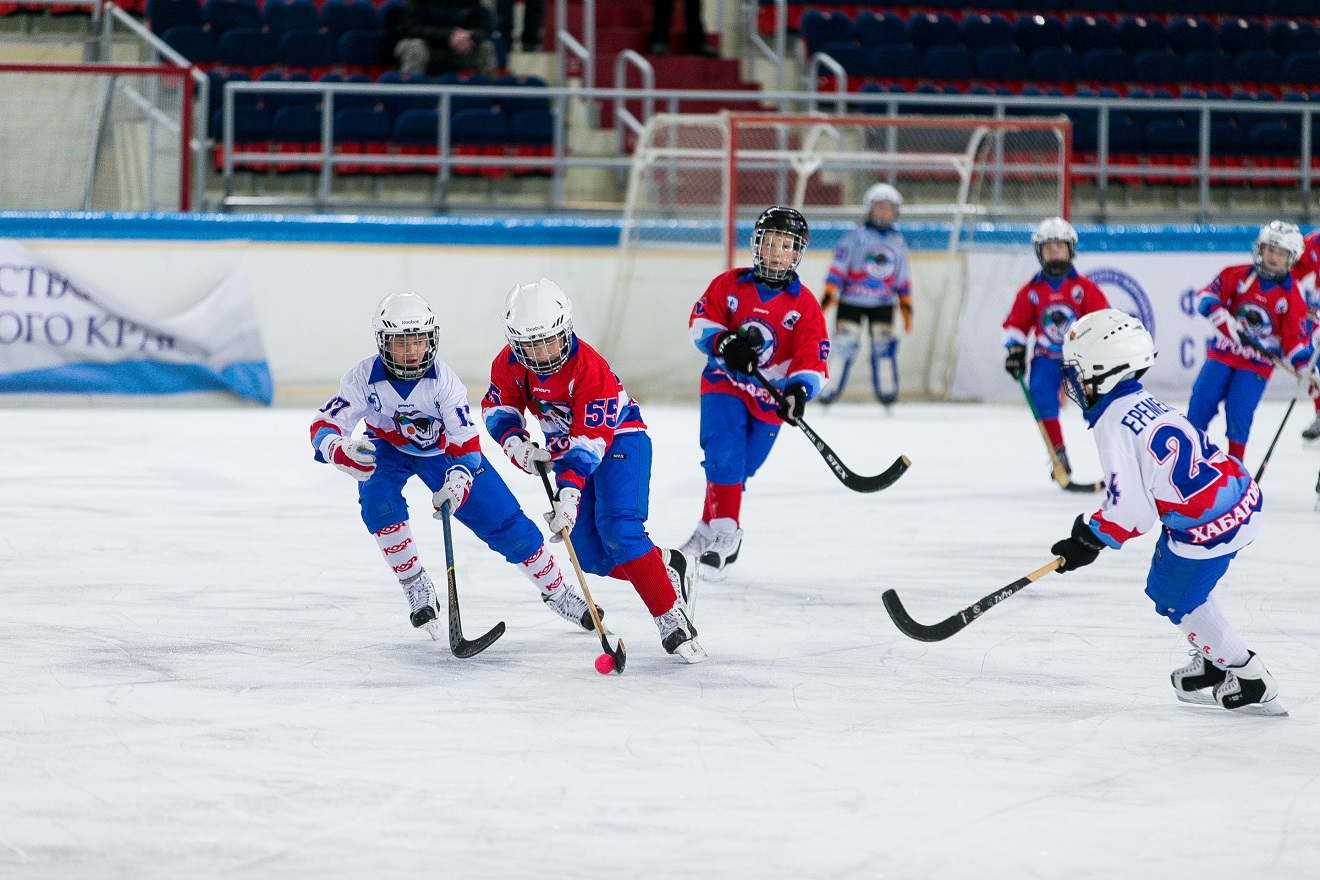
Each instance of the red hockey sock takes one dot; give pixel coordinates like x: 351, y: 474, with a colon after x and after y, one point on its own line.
x: 1236, y: 449
x: 722, y: 502
x: 618, y: 573
x: 651, y: 581
x: 1054, y: 432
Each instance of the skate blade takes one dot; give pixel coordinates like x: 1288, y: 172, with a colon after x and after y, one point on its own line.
x: 712, y: 575
x: 691, y: 652
x: 1197, y: 698
x: 1270, y: 708
x: 433, y: 629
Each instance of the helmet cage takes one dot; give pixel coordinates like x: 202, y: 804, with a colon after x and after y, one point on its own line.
x: 1054, y: 229
x: 542, y: 354
x: 397, y: 367
x: 1284, y: 236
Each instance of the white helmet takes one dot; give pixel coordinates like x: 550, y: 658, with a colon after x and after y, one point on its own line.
x: 882, y: 192
x: 1282, y: 235
x: 1055, y: 229
x: 1100, y: 350
x: 405, y: 314
x: 538, y: 322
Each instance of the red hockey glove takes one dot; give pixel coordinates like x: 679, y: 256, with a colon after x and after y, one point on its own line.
x: 458, y: 482
x: 357, y: 458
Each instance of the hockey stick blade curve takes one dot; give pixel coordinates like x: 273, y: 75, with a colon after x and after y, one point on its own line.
x: 459, y: 646
x: 956, y: 623
x: 1082, y: 487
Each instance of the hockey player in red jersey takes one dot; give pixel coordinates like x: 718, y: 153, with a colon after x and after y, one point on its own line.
x: 1254, y: 308
x: 1041, y: 314
x: 597, y: 443
x: 417, y: 423
x: 1164, y: 470
x: 761, y: 318
x: 1307, y: 274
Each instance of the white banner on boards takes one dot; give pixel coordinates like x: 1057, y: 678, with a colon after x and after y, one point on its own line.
x: 58, y: 335
x: 1160, y: 289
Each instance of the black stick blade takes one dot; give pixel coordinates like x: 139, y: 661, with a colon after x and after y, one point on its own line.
x: 1082, y: 487
x: 882, y: 480
x: 619, y: 655
x: 464, y: 648
x: 919, y: 631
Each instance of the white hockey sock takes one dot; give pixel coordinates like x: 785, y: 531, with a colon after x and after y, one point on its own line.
x: 1208, y: 631
x: 396, y: 545
x: 542, y: 569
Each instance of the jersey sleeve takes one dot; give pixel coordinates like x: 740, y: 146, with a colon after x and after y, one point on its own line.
x: 505, y: 402
x: 462, y: 440
x: 1210, y: 298
x: 1021, y: 318
x: 598, y: 403
x: 811, y: 348
x: 340, y: 414
x: 709, y: 318
x: 838, y: 274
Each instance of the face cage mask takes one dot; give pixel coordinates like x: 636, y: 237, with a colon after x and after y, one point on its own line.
x: 1055, y: 268
x: 401, y: 371
x: 763, y: 272
x: 537, y: 355
x: 1258, y: 260
x: 1072, y: 385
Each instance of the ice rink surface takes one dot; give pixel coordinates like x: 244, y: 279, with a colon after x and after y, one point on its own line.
x: 207, y: 671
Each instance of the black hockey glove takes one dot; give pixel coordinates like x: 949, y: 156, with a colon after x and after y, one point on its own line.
x: 1016, y: 361
x: 1078, y: 549
x: 794, y: 405
x: 741, y: 352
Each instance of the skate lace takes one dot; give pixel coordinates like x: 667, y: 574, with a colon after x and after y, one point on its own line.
x: 419, y: 592
x: 568, y: 603
x: 670, y: 622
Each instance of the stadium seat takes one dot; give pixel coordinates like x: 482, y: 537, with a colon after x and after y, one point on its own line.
x: 818, y: 28
x: 1287, y: 37
x: 224, y: 15
x: 1108, y: 65
x: 1238, y: 35
x: 532, y: 135
x: 1141, y: 35
x: 950, y: 62
x: 1056, y: 64
x: 398, y: 104
x: 417, y: 133
x: 1258, y: 66
x: 852, y: 57
x: 1034, y: 32
x: 217, y: 79
x: 1158, y: 66
x: 874, y: 30
x: 194, y: 43
x: 533, y: 100
x: 296, y: 130
x: 341, y: 16
x: 933, y: 29
x: 347, y: 99
x: 1086, y: 32
x: 1302, y: 68
x: 1275, y: 138
x: 282, y: 16
x: 460, y: 100
x: 246, y: 47
x: 479, y: 133
x: 1004, y: 63
x: 896, y: 62
x: 166, y: 14
x: 273, y: 101
x: 310, y: 50
x: 1207, y: 66
x: 362, y: 49
x: 982, y: 31
x: 362, y: 131
x: 1189, y: 34
x: 252, y: 133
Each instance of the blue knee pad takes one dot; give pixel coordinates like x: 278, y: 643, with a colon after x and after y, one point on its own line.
x: 1045, y: 379
x: 1178, y: 585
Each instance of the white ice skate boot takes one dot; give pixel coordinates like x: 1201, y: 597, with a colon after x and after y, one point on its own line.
x: 1249, y: 689
x: 566, y: 602
x: 1191, y: 680
x: 721, y: 553
x: 423, y: 608
x: 1312, y: 433
x: 682, y: 571
x: 678, y: 636
x: 700, y: 541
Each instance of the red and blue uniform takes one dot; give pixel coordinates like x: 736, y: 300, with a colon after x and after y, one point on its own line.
x: 1273, y: 315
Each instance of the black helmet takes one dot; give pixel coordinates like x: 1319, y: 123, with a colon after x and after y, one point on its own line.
x: 789, y: 222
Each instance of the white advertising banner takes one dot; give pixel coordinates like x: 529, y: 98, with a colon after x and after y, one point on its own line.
x: 58, y: 335
x: 1159, y: 288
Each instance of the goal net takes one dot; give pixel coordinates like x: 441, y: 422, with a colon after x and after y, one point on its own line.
x: 698, y: 182
x: 94, y: 137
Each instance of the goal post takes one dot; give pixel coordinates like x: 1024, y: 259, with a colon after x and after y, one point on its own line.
x: 698, y: 181
x: 109, y: 137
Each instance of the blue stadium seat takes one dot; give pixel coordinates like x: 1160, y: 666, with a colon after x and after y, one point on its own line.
x: 223, y: 15
x: 251, y: 124
x: 982, y: 31
x: 1107, y: 65
x: 283, y: 16
x: 362, y: 49
x: 880, y: 30
x: 1141, y: 35
x: 217, y: 79
x: 193, y: 43
x: 933, y: 29
x: 1207, y: 66
x: 479, y: 127
x: 877, y: 89
x: 1189, y: 34
x: 532, y: 101
x: 950, y: 62
x: 1303, y: 68
x: 1275, y: 138
x: 818, y: 28
x: 1241, y: 35
x: 852, y: 57
x: 308, y: 49
x: 1056, y: 64
x: 896, y: 62
x: 166, y: 14
x: 342, y: 16
x: 345, y: 99
x: 1287, y: 37
x: 398, y: 104
x: 1258, y: 66
x: 246, y: 47
x: 461, y: 101
x: 363, y: 125
x: 1086, y: 32
x: 390, y: 14
x: 1003, y: 63
x: 1033, y: 32
x: 419, y: 127
x: 1158, y: 66
x: 273, y: 101
x: 532, y: 127
x: 295, y: 129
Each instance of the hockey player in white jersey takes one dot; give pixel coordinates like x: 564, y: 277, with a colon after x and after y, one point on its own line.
x: 869, y: 277
x: 1161, y: 469
x: 418, y: 423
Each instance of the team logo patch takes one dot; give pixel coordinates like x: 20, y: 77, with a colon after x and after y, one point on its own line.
x: 791, y: 319
x: 373, y: 400
x: 824, y: 349
x: 1077, y: 293
x: 700, y: 307
x: 1055, y: 321
x: 880, y: 265
x: 1111, y: 490
x: 769, y: 342
x: 422, y: 431
x: 1255, y: 321
x: 732, y: 302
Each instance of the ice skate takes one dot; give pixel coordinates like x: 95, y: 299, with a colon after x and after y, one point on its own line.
x: 565, y: 601
x: 678, y: 636
x: 1311, y: 434
x: 1249, y: 689
x: 1191, y: 680
x: 722, y: 552
x: 702, y: 537
x: 423, y: 608
x: 682, y: 570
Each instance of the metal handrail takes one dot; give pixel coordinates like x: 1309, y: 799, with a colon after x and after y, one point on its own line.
x: 621, y: 111
x: 821, y: 59
x: 776, y: 55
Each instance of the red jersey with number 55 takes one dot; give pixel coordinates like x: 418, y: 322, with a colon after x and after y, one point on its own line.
x: 580, y: 407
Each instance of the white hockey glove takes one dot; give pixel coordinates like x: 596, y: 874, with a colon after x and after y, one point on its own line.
x: 565, y: 512
x: 1227, y: 325
x: 357, y: 458
x: 525, y: 455
x: 458, y: 482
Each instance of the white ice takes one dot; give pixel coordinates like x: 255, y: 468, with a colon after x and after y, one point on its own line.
x: 206, y: 670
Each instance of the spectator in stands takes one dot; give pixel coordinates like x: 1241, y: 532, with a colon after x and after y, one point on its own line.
x: 533, y: 15
x: 663, y: 14
x: 436, y: 36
